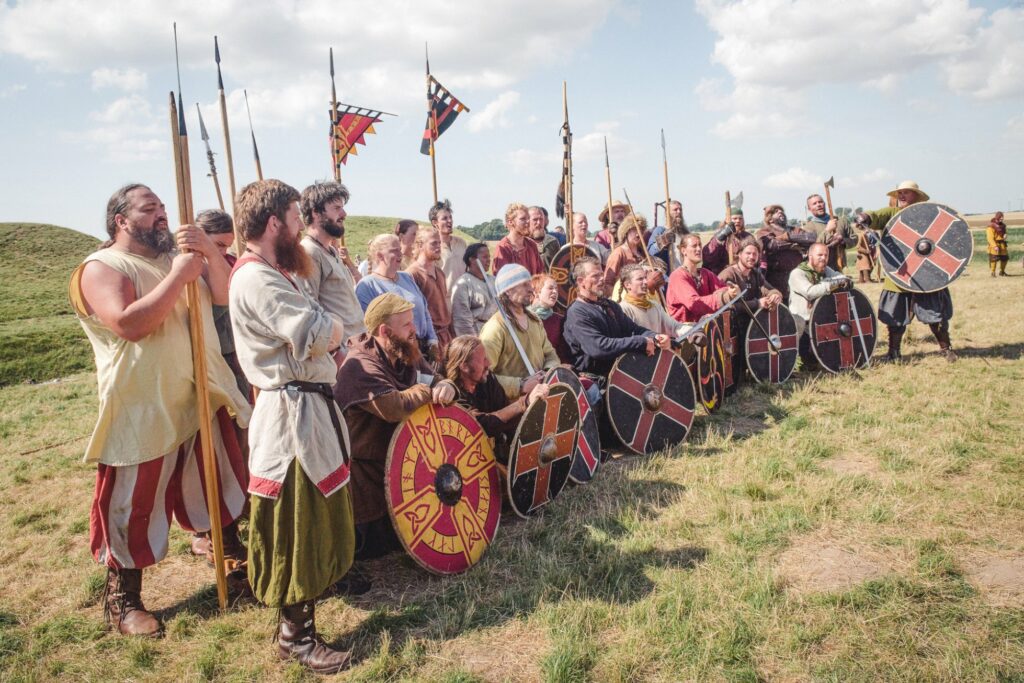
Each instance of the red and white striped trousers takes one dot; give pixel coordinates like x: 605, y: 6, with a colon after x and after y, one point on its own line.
x: 132, y: 506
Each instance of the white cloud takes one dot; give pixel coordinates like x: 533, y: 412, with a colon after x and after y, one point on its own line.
x: 126, y: 130
x: 12, y: 90
x: 530, y: 161
x: 787, y: 47
x: 279, y: 49
x: 495, y: 114
x: 994, y: 68
x: 794, y: 178
x: 868, y: 178
x: 128, y: 80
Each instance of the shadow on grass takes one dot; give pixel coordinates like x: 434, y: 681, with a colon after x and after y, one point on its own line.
x: 578, y: 549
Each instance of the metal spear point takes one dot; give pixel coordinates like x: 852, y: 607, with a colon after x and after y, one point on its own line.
x: 255, y: 150
x: 209, y: 157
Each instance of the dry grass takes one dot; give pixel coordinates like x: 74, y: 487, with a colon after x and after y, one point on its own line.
x: 836, y: 528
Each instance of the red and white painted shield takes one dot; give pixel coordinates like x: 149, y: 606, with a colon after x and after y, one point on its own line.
x: 650, y: 400
x: 772, y: 359
x: 588, y: 447
x: 926, y: 246
x: 840, y: 338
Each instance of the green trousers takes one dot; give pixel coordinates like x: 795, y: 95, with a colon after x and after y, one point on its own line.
x: 301, y: 543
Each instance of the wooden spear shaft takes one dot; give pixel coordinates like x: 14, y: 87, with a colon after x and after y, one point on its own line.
x: 668, y: 198
x: 608, y: 181
x: 239, y: 240
x: 643, y: 242
x: 195, y: 323
x: 568, y: 164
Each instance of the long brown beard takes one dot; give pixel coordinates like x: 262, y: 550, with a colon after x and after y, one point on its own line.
x: 291, y: 257
x: 405, y: 350
x: 159, y: 240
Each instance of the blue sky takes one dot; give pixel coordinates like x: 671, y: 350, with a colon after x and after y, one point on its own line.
x: 765, y: 96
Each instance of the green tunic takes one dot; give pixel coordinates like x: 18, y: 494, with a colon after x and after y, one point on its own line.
x: 301, y: 543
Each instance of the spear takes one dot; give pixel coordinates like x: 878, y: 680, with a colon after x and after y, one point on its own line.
x: 643, y: 242
x: 239, y: 242
x: 567, y: 161
x: 209, y: 156
x: 433, y: 124
x: 255, y: 151
x: 183, y: 178
x: 334, y: 124
x: 608, y: 179
x: 668, y: 198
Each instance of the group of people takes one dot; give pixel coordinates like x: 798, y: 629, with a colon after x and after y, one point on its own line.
x: 313, y: 363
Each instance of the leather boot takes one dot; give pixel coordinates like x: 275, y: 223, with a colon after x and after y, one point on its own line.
x: 122, y: 604
x: 297, y: 639
x: 234, y: 549
x: 941, y: 332
x: 895, y: 340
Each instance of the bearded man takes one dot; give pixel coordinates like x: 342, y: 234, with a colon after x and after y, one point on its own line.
x: 663, y: 241
x: 518, y: 245
x: 515, y: 294
x: 301, y: 534
x: 383, y: 380
x: 453, y: 247
x: 130, y: 298
x: 783, y: 246
x: 333, y: 275
x: 835, y: 232
x: 722, y: 249
x: 610, y: 221
x: 547, y: 244
x: 430, y: 279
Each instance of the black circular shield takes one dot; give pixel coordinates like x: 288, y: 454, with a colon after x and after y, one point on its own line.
x: 772, y: 359
x: 926, y: 246
x: 561, y: 271
x: 650, y: 400
x: 541, y: 454
x: 711, y: 368
x: 588, y: 446
x: 842, y: 328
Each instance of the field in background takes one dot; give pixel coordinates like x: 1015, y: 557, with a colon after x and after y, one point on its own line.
x: 857, y: 527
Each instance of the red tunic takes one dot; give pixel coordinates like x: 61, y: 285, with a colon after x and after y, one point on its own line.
x: 526, y: 256
x: 690, y: 300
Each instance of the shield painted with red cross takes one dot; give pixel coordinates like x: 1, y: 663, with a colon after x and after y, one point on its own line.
x: 926, y: 246
x: 842, y: 328
x: 710, y: 365
x: 541, y: 455
x: 772, y: 359
x: 561, y: 271
x: 588, y: 446
x: 443, y: 488
x: 650, y: 400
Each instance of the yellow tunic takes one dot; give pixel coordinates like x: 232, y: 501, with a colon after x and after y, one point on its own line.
x: 506, y: 364
x: 147, y: 398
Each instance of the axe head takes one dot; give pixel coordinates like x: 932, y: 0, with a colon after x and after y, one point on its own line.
x: 831, y: 182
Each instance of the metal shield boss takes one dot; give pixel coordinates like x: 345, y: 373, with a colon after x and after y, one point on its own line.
x: 443, y: 488
x: 650, y: 400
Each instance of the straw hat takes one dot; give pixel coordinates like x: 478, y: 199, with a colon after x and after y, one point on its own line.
x: 603, y: 216
x: 922, y: 196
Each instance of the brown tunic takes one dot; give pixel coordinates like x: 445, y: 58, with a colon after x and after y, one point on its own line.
x: 431, y: 281
x: 375, y: 397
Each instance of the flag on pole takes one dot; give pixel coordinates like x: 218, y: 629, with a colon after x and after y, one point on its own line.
x: 353, y: 124
x: 444, y: 108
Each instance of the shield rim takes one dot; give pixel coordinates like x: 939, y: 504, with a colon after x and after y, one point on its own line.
x: 887, y: 267
x: 751, y: 328
x: 515, y: 444
x: 494, y: 473
x: 856, y: 347
x: 559, y: 306
x: 551, y: 373
x: 720, y: 395
x: 608, y: 403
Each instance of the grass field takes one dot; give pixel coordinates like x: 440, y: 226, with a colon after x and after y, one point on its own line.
x: 858, y: 527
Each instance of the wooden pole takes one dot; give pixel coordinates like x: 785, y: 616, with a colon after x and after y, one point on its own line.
x: 567, y: 191
x: 608, y: 181
x: 643, y: 242
x: 183, y: 178
x: 668, y: 197
x: 239, y: 240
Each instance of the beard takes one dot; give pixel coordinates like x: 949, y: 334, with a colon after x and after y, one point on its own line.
x: 405, y: 350
x: 781, y: 223
x: 291, y: 257
x: 679, y: 226
x: 159, y: 239
x: 332, y: 227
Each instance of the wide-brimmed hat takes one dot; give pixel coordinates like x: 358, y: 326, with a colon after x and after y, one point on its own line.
x: 603, y: 216
x: 922, y: 196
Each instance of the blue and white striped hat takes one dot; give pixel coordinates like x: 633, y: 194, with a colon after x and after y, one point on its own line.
x: 510, y: 275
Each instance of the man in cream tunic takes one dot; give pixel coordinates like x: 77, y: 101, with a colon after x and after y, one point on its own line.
x: 130, y: 299
x: 301, y: 534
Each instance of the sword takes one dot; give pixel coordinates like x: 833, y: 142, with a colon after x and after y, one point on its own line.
x: 508, y: 323
x: 894, y: 259
x: 707, y: 320
x: 860, y: 332
x: 774, y: 343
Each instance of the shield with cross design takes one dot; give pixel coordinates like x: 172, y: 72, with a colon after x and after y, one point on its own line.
x: 925, y: 247
x: 772, y: 359
x: 443, y: 488
x: 588, y: 446
x: 541, y: 454
x: 651, y: 400
x: 843, y: 330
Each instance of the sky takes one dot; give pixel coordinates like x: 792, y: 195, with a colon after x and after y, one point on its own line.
x: 767, y: 97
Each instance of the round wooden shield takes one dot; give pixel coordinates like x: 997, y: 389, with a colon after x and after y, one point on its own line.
x: 926, y: 246
x: 710, y: 378
x: 838, y: 322
x: 768, y: 367
x: 541, y: 455
x: 588, y: 447
x: 561, y: 271
x: 650, y: 400
x: 443, y: 488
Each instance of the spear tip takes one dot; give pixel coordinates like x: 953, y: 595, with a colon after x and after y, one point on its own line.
x: 332, y: 61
